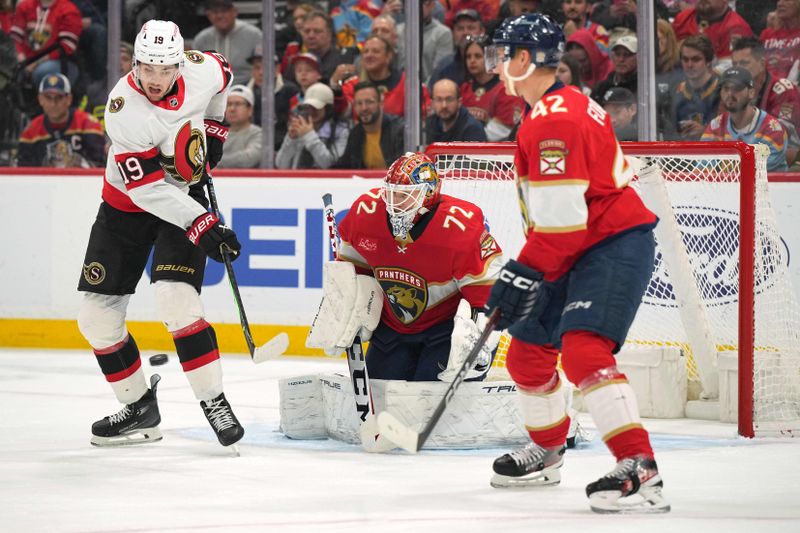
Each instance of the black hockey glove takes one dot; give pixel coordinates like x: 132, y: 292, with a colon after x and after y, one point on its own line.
x: 515, y: 293
x: 216, y: 135
x: 214, y: 238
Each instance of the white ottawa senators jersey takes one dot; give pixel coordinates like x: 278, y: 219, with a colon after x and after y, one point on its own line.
x: 573, y: 181
x: 158, y: 148
x: 448, y: 255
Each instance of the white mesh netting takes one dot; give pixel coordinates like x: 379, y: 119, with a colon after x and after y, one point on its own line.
x: 703, y: 192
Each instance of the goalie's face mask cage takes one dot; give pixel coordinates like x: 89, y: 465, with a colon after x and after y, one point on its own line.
x: 411, y: 187
x: 158, y: 47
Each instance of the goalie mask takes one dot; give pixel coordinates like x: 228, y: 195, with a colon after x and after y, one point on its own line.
x: 159, y: 43
x: 411, y: 188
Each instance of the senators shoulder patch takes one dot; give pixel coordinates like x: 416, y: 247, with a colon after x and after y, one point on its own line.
x: 194, y: 56
x: 116, y: 104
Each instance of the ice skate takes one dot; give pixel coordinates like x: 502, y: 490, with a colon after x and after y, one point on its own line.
x: 528, y: 466
x: 136, y: 423
x: 634, y: 486
x: 224, y: 423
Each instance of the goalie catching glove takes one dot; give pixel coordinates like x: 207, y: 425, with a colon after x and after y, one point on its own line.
x: 465, y: 335
x: 351, y: 305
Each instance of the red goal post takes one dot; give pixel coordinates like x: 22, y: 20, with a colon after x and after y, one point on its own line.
x: 721, y: 287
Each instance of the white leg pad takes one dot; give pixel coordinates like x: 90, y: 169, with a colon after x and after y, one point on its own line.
x: 613, y: 407
x: 177, y: 304
x: 543, y: 410
x: 101, y: 319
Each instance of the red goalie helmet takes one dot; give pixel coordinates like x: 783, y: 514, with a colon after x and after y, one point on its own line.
x: 411, y: 184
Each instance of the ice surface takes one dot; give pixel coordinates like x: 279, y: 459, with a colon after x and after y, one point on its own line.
x: 52, y: 480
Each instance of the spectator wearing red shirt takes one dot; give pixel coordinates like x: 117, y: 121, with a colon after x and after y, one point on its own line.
x: 576, y: 13
x: 40, y: 24
x: 717, y: 21
x: 484, y: 95
x: 376, y: 66
x: 777, y: 96
x: 782, y: 44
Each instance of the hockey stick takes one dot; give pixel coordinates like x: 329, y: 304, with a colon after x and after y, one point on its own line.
x: 356, y: 363
x: 411, y: 440
x: 277, y: 344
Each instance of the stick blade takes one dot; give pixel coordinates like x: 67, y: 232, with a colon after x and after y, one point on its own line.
x: 273, y: 348
x: 397, y: 432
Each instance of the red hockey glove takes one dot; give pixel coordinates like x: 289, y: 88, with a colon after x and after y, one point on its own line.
x: 216, y: 135
x: 214, y: 238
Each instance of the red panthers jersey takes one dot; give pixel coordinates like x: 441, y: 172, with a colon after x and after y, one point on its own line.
x: 782, y: 49
x: 448, y: 255
x: 573, y: 181
x: 36, y: 27
x: 721, y: 32
x: 780, y: 98
x: 489, y: 101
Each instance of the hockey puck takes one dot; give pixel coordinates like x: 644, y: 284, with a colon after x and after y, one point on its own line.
x: 158, y: 359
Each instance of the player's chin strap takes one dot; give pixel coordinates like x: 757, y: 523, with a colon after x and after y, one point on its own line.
x: 511, y: 80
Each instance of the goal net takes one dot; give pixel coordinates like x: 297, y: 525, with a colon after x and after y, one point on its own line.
x: 721, y: 285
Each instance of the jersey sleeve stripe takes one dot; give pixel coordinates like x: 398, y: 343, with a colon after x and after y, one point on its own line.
x: 562, y: 229
x: 557, y: 206
x: 151, y: 177
x: 558, y: 183
x: 149, y: 154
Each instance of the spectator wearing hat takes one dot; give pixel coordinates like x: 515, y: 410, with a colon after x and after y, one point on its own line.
x: 623, y: 55
x: 777, y: 96
x: 315, y: 138
x: 451, y: 121
x: 307, y: 72
x: 743, y: 121
x: 782, y: 44
x: 243, y: 146
x: 487, y: 9
x: 44, y: 24
x: 576, y: 15
x: 61, y: 136
x: 233, y: 38
x: 376, y: 140
x: 466, y: 23
x: 695, y: 100
x: 716, y: 20
x: 620, y: 104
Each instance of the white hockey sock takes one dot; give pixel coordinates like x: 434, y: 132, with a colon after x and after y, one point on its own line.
x: 131, y: 388
x: 545, y: 407
x: 611, y: 402
x: 206, y: 381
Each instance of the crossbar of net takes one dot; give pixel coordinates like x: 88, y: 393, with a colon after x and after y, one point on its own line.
x: 704, y: 194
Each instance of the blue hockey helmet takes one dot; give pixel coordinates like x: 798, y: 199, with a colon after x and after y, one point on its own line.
x: 533, y: 31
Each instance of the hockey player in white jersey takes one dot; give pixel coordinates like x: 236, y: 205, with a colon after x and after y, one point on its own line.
x: 164, y: 121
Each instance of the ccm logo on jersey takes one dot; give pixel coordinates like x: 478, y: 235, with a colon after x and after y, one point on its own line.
x: 518, y: 281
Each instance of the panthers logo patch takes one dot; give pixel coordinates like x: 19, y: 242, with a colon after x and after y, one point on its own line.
x: 194, y: 56
x: 406, y: 292
x: 94, y: 273
x: 116, y: 104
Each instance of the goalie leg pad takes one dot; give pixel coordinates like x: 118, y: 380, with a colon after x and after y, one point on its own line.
x: 351, y: 305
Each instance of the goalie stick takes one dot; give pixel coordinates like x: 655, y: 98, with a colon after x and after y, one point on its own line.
x: 356, y: 363
x: 277, y: 344
x: 408, y: 439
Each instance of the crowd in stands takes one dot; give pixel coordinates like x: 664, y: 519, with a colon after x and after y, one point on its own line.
x: 725, y: 70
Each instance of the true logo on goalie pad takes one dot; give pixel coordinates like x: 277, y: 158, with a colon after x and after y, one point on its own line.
x: 406, y: 292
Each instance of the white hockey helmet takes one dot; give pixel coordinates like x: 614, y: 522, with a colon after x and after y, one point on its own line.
x: 159, y: 42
